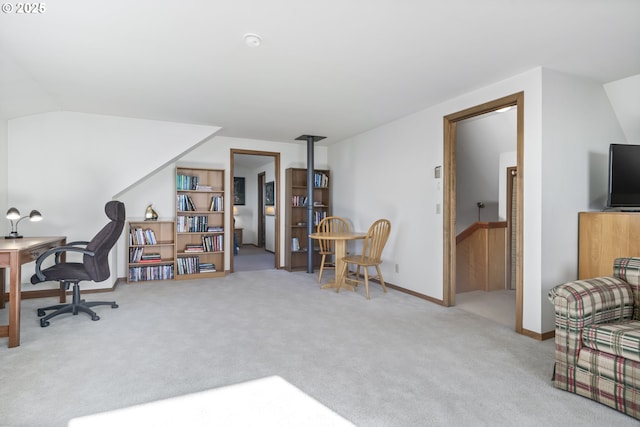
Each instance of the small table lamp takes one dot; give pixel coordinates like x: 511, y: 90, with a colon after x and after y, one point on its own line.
x: 13, y: 215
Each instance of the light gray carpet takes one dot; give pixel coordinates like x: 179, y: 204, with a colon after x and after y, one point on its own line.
x: 253, y: 258
x: 499, y: 306
x: 392, y: 361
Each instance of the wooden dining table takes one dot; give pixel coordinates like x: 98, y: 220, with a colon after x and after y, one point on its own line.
x: 340, y: 240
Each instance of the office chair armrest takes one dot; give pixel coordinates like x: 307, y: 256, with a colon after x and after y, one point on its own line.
x: 58, y: 251
x: 76, y: 243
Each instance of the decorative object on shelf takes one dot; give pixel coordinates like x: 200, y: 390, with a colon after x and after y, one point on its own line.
x: 13, y: 215
x: 150, y: 214
x: 238, y: 190
x: 270, y: 210
x: 269, y: 194
x: 480, y: 206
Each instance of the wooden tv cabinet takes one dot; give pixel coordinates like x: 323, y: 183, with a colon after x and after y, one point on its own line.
x: 604, y: 236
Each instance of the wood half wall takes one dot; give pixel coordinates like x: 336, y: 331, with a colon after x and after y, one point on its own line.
x: 481, y: 257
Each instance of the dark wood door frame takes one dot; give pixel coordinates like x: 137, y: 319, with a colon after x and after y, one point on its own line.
x: 276, y: 172
x: 512, y: 173
x: 449, y: 175
x: 261, y: 213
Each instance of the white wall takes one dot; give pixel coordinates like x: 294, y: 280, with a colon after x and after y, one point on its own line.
x: 4, y: 175
x: 215, y: 154
x: 578, y: 125
x: 68, y: 165
x: 624, y: 95
x: 480, y: 141
x: 388, y: 172
x: 248, y: 215
x: 77, y: 162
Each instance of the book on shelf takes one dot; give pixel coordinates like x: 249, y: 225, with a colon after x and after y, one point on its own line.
x: 213, y: 243
x: 186, y: 182
x: 320, y: 179
x: 298, y: 200
x: 138, y: 255
x: 151, y: 272
x: 202, y: 187
x: 185, y: 203
x: 191, y: 224
x: 318, y: 216
x: 140, y: 236
x: 135, y: 254
x: 207, y: 268
x: 188, y: 265
x: 194, y: 248
x: 217, y: 204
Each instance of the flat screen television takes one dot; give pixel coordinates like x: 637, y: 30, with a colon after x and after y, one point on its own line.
x: 624, y: 177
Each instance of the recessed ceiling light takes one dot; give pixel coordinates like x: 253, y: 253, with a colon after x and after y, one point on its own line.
x: 252, y: 40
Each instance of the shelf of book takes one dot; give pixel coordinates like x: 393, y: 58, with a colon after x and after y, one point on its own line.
x: 199, y: 223
x: 296, y: 214
x: 151, y: 251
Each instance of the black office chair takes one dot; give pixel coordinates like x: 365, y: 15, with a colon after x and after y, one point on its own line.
x: 94, y: 266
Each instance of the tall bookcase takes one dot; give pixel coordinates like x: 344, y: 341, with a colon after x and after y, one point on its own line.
x: 200, y: 220
x: 151, y: 251
x: 296, y: 214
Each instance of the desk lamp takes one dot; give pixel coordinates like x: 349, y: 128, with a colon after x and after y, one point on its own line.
x: 13, y: 214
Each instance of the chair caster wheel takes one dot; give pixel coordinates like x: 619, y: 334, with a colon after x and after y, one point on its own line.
x: 43, y: 323
x: 40, y: 312
x: 114, y: 305
x: 94, y: 318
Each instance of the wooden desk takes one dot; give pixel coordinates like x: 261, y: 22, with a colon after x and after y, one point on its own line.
x: 340, y: 240
x: 14, y: 253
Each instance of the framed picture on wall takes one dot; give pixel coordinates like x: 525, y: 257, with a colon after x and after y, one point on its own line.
x: 269, y: 195
x: 238, y: 190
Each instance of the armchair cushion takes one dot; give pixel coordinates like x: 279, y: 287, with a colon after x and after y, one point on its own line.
x: 614, y: 368
x: 618, y: 339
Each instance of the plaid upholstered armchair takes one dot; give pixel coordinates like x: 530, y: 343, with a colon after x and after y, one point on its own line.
x: 597, y: 337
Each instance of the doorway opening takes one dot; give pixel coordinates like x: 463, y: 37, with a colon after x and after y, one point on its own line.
x: 450, y: 195
x: 256, y: 230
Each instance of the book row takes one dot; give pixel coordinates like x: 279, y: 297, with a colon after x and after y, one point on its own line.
x: 320, y: 179
x: 192, y: 224
x: 210, y: 243
x: 154, y: 272
x: 137, y: 254
x: 192, y: 265
x: 184, y: 202
x: 318, y: 216
x: 139, y: 236
x: 186, y: 182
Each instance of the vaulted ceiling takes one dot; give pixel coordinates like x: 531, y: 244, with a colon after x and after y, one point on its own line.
x: 333, y: 67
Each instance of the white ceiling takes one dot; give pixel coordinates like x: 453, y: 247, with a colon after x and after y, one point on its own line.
x: 333, y: 67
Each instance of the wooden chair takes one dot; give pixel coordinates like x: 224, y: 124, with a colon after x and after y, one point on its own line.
x: 327, y: 247
x: 374, y: 242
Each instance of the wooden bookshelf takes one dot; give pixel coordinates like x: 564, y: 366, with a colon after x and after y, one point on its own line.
x: 199, y: 223
x: 151, y: 251
x: 296, y: 214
